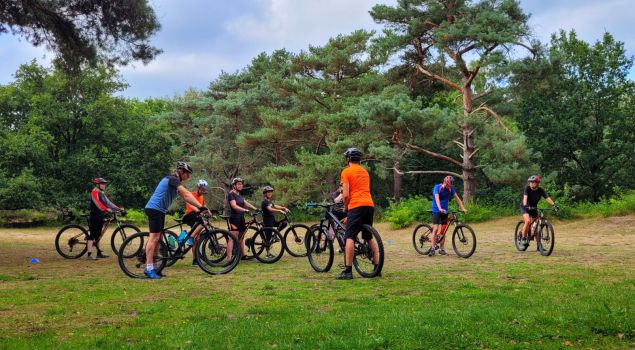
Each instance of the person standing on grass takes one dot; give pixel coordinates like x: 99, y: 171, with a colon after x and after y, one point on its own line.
x: 441, y: 195
x: 99, y: 206
x: 191, y: 214
x: 359, y: 202
x: 528, y: 208
x: 158, y: 205
x: 238, y: 206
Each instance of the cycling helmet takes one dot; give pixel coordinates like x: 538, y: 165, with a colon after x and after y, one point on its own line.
x: 449, y: 180
x: 99, y: 180
x: 202, y: 184
x: 353, y: 154
x: 237, y: 180
x: 267, y: 189
x: 186, y: 167
x: 534, y: 178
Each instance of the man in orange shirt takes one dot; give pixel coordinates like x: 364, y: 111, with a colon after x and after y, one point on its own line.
x: 360, y: 205
x: 191, y: 213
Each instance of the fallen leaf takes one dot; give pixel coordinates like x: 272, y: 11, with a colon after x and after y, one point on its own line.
x: 620, y: 335
x: 567, y: 343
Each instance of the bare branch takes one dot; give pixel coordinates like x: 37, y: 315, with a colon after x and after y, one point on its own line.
x: 439, y: 78
x: 395, y: 139
x: 473, y: 153
x: 485, y: 108
x: 461, y: 146
x: 415, y: 172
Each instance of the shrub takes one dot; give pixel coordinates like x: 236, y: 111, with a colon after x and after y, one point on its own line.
x: 25, y: 218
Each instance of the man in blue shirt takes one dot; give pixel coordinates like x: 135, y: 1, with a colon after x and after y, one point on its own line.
x: 158, y: 205
x: 440, y: 198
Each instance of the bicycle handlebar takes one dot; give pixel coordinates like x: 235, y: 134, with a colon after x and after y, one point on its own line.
x: 313, y: 205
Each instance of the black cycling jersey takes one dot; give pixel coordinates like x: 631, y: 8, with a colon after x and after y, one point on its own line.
x: 533, y: 196
x: 240, y: 201
x: 268, y: 218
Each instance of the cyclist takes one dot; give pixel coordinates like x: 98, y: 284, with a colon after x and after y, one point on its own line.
x: 191, y: 214
x: 268, y: 218
x: 158, y: 205
x: 238, y: 206
x: 360, y: 205
x: 441, y: 195
x: 99, y: 206
x: 528, y: 210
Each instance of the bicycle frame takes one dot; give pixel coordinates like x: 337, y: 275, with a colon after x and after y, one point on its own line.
x: 540, y: 220
x: 451, y: 220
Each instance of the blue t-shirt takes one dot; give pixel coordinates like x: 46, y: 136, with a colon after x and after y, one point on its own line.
x: 444, y: 197
x: 164, y: 194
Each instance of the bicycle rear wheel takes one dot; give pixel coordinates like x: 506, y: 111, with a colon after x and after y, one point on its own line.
x: 518, y: 237
x: 120, y: 234
x: 422, y: 239
x: 294, y: 240
x: 211, y: 252
x: 268, y: 245
x: 132, y: 255
x: 363, y: 260
x: 464, y: 241
x: 70, y: 241
x: 319, y: 249
x: 546, y: 239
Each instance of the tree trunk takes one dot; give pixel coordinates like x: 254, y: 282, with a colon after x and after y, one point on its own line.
x: 397, y: 176
x: 468, y: 167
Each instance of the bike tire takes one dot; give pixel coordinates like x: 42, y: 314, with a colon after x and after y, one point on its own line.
x: 268, y: 247
x: 520, y: 246
x: 464, y: 241
x: 422, y: 239
x: 120, y: 234
x: 319, y: 250
x: 70, y: 241
x: 546, y: 239
x: 211, y: 252
x: 132, y: 255
x: 294, y: 240
x: 363, y: 258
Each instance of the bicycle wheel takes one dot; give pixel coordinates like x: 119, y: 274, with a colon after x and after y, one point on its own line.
x: 172, y: 250
x: 70, y: 241
x: 211, y: 252
x: 546, y: 239
x: 518, y: 237
x: 248, y: 238
x: 422, y: 239
x: 268, y: 245
x: 319, y: 250
x: 120, y: 234
x: 464, y: 241
x: 132, y: 255
x: 363, y: 258
x: 294, y: 240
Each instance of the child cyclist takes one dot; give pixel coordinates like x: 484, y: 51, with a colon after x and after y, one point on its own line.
x: 191, y: 213
x: 269, y: 208
x: 440, y: 198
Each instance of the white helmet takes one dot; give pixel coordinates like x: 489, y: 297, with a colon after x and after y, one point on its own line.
x: 202, y: 184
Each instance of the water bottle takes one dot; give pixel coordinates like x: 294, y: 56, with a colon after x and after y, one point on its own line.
x: 182, y: 236
x: 171, y: 242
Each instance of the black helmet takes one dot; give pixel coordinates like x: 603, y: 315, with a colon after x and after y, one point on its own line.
x: 267, y: 189
x: 353, y: 154
x: 237, y: 180
x: 186, y: 167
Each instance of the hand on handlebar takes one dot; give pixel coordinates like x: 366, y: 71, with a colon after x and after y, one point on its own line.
x: 203, y: 210
x: 555, y: 208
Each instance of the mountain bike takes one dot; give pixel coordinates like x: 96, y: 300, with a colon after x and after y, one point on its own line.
x: 294, y: 238
x: 70, y: 241
x: 463, y: 237
x: 319, y: 245
x: 540, y: 228
x: 210, y: 251
x: 263, y: 243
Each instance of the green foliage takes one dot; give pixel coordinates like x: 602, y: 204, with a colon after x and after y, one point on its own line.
x: 617, y: 206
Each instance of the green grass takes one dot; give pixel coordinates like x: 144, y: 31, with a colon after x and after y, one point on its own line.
x: 583, y: 295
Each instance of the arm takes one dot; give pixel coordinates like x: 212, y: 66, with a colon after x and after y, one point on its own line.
x: 278, y: 209
x: 338, y: 199
x: 250, y: 206
x: 550, y: 201
x: 524, y: 200
x: 188, y: 197
x: 110, y: 204
x: 436, y: 198
x: 458, y: 200
x: 236, y: 207
x: 346, y: 194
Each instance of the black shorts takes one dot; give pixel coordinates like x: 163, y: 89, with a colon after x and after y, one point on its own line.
x: 339, y: 214
x: 156, y: 220
x: 95, y: 225
x: 439, y: 218
x: 356, y: 218
x: 190, y: 219
x: 237, y: 223
x: 533, y: 212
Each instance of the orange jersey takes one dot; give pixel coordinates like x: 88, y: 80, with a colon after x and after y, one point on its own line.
x: 358, y: 182
x: 200, y: 199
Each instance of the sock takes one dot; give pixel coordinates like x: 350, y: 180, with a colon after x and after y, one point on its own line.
x: 348, y: 269
x: 149, y: 267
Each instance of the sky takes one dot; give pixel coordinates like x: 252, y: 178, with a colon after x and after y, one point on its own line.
x: 202, y: 38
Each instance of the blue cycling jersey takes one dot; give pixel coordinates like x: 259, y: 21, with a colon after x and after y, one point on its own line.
x: 444, y: 197
x: 164, y: 194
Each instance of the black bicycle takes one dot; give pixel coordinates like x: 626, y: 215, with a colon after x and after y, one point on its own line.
x: 319, y: 245
x: 294, y: 238
x: 463, y: 237
x: 540, y: 228
x: 70, y: 241
x: 210, y: 251
x: 263, y: 243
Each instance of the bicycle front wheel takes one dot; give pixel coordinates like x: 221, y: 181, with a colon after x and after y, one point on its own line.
x: 211, y: 252
x: 518, y: 237
x: 120, y: 235
x: 70, y: 241
x: 319, y: 249
x: 366, y: 264
x: 464, y: 241
x: 422, y: 239
x: 132, y: 255
x: 294, y: 240
x: 267, y: 245
x: 546, y: 239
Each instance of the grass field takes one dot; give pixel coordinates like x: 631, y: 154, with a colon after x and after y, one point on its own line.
x: 582, y: 297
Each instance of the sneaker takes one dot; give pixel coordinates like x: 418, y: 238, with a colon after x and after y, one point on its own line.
x: 91, y: 257
x: 246, y: 258
x: 194, y: 263
x: 431, y: 252
x: 151, y: 274
x: 100, y: 255
x: 345, y: 276
x: 442, y: 252
x: 270, y: 256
